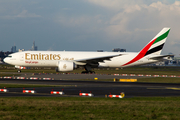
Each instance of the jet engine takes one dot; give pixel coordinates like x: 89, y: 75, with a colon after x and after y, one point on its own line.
x: 66, y: 66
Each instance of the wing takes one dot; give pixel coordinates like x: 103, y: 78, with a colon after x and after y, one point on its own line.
x: 94, y: 61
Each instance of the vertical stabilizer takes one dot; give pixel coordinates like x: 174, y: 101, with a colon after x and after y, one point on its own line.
x: 153, y: 47
x: 156, y: 44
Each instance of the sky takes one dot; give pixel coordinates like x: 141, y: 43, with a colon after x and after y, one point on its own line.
x: 88, y: 25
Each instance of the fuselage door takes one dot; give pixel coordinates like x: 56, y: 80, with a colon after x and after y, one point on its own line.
x: 21, y: 57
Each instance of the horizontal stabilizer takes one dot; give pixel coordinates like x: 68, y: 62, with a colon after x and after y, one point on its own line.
x: 161, y: 57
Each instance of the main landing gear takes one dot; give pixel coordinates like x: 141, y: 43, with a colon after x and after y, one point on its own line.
x: 88, y: 70
x: 19, y: 71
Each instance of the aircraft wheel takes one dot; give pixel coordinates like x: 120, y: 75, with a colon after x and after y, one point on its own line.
x: 92, y: 72
x: 84, y: 72
x: 19, y: 71
x: 56, y: 70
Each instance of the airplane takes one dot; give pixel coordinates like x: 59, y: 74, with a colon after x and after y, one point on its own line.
x: 69, y: 60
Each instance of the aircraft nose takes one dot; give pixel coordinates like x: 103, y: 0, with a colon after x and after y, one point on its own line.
x: 5, y: 60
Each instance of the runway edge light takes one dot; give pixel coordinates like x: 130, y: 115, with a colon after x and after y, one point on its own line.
x: 122, y: 94
x: 4, y: 90
x: 29, y: 91
x: 58, y: 92
x: 86, y: 94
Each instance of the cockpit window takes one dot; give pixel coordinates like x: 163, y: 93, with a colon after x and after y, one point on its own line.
x: 10, y: 56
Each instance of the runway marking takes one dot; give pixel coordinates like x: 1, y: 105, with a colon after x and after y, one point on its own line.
x: 155, y: 88
x: 172, y: 88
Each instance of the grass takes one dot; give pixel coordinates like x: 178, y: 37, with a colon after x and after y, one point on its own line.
x: 130, y: 70
x: 89, y: 108
x: 159, y: 80
x: 142, y: 70
x: 2, y: 74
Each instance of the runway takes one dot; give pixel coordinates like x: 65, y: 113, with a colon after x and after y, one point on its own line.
x: 99, y: 89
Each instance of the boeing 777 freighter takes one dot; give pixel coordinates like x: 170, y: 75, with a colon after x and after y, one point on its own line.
x: 68, y: 61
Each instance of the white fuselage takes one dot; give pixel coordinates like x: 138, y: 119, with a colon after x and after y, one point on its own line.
x: 51, y: 58
x: 68, y: 61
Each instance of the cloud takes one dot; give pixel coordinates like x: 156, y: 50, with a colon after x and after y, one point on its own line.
x: 126, y: 22
x: 22, y: 14
x: 142, y: 15
x: 139, y: 17
x: 114, y: 4
x: 92, y: 24
x: 72, y: 21
x: 26, y: 14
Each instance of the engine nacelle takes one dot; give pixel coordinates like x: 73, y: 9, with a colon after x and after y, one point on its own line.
x: 66, y: 66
